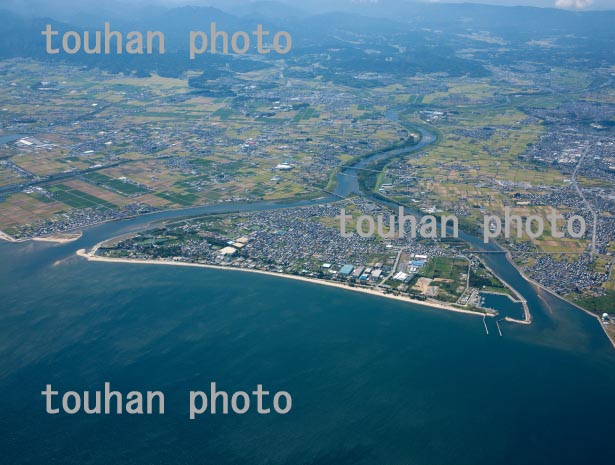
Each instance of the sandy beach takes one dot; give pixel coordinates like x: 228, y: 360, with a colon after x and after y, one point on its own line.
x: 59, y: 238
x: 62, y: 238
x: 6, y: 237
x: 428, y: 303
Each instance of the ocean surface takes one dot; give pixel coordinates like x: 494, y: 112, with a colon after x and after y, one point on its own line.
x: 373, y: 381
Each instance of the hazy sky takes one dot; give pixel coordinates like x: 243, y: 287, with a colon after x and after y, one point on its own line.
x: 570, y: 4
x: 311, y: 5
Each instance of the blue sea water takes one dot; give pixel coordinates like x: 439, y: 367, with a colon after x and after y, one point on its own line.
x: 503, y: 304
x: 373, y: 381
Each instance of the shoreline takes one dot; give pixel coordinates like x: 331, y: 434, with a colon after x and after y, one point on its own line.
x: 510, y: 319
x: 59, y: 238
x: 527, y: 315
x: 526, y: 321
x: 90, y: 256
x: 555, y: 294
x: 5, y: 237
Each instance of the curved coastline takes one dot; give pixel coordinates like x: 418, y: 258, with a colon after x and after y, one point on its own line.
x: 91, y: 256
x: 347, y: 184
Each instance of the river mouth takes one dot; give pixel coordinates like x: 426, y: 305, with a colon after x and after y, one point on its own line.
x: 539, y: 302
x: 385, y: 378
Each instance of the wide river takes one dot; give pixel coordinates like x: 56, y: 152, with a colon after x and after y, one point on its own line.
x: 373, y: 381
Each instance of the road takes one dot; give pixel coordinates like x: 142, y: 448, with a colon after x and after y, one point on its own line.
x: 587, y: 204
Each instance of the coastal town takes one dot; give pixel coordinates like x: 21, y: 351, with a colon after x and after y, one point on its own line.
x: 126, y: 146
x: 306, y: 242
x: 318, y: 232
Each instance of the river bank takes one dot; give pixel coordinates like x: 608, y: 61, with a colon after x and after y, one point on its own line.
x: 347, y: 185
x: 527, y: 316
x: 555, y: 294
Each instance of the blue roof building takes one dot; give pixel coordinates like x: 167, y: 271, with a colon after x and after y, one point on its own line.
x: 346, y: 270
